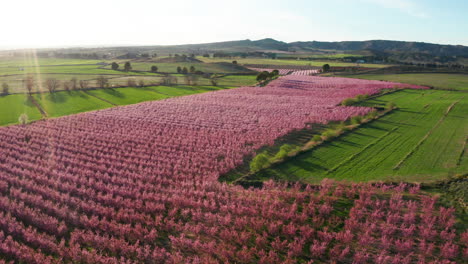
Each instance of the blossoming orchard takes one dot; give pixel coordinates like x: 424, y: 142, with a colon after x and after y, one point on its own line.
x: 139, y: 184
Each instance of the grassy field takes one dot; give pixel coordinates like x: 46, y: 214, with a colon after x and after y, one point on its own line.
x: 16, y: 84
x: 172, y: 67
x: 437, y: 80
x: 319, y: 56
x: 12, y: 106
x: 29, y: 60
x: 418, y: 142
x: 66, y: 103
x: 124, y: 96
x: 289, y: 62
x: 73, y: 69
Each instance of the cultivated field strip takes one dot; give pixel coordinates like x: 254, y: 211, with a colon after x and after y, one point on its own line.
x: 426, y: 136
x: 138, y: 184
x: 419, y: 113
x: 288, y: 71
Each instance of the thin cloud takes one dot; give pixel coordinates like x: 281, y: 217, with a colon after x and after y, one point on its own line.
x: 407, y: 6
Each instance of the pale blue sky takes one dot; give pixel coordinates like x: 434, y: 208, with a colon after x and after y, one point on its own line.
x: 55, y: 23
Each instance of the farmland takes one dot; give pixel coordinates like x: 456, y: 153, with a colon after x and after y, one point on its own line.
x: 290, y: 62
x: 139, y: 183
x: 171, y: 67
x: 11, y: 107
x: 437, y: 80
x: 397, y: 147
x: 14, y: 71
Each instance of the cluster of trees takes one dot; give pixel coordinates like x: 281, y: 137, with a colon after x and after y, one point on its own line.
x: 192, y: 70
x: 169, y: 80
x: 127, y: 66
x: 53, y: 84
x: 264, y: 75
x: 131, y: 82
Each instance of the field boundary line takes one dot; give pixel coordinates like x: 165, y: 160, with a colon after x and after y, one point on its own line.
x: 102, y: 99
x: 361, y: 151
x: 39, y: 107
x: 462, y: 152
x: 410, y: 153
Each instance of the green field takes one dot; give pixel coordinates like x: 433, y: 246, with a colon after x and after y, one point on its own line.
x: 172, y: 67
x: 290, y: 62
x: 417, y: 142
x: 29, y: 60
x: 12, y: 106
x: 437, y: 80
x: 125, y: 96
x: 66, y: 103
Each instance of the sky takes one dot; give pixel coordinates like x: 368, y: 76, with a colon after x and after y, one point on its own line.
x: 75, y: 23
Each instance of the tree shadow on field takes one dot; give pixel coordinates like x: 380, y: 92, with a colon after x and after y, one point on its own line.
x: 28, y: 102
x: 114, y: 92
x: 399, y: 124
x: 309, y: 166
x: 356, y: 132
x: 82, y: 95
x: 349, y: 143
x: 372, y: 126
x: 59, y: 97
x: 409, y: 111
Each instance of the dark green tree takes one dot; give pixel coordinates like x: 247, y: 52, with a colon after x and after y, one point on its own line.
x: 192, y: 69
x: 179, y: 69
x: 127, y: 66
x: 326, y: 67
x: 263, y: 76
x: 154, y: 68
x: 184, y: 70
x: 115, y: 66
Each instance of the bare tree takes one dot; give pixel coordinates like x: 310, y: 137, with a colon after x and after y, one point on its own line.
x: 66, y: 85
x: 74, y: 83
x: 169, y: 80
x: 131, y: 82
x: 29, y: 83
x: 141, y: 82
x: 214, y: 81
x: 84, y: 84
x: 102, y: 81
x: 191, y: 79
x: 52, y: 84
x: 5, y: 88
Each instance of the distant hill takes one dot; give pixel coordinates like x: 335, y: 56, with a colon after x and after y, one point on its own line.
x: 373, y: 45
x: 379, y: 51
x: 387, y: 46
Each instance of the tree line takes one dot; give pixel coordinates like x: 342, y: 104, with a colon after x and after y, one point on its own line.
x: 128, y: 67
